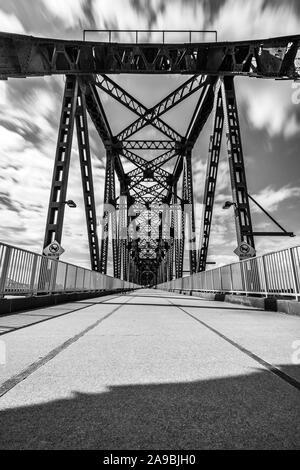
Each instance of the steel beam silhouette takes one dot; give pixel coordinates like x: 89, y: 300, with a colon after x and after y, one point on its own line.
x: 148, y: 223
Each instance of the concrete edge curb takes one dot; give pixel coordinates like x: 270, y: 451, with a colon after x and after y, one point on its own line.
x: 269, y: 304
x: 18, y: 304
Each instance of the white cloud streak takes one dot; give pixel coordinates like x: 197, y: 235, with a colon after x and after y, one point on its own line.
x: 9, y: 23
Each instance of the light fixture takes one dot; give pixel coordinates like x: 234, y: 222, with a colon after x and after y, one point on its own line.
x: 70, y: 203
x: 228, y: 204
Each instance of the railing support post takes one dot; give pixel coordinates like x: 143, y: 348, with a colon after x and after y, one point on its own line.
x: 33, y: 274
x: 266, y: 284
x: 4, y: 272
x: 231, y: 280
x: 294, y: 272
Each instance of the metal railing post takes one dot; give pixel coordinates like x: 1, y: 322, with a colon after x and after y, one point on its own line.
x: 76, y: 270
x: 5, y: 268
x: 220, y: 276
x: 265, y: 279
x: 231, y: 280
x: 265, y: 276
x: 242, y: 271
x: 53, y: 276
x: 66, y: 277
x: 33, y: 274
x: 294, y: 272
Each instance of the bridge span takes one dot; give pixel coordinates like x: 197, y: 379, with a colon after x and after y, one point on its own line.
x: 149, y: 369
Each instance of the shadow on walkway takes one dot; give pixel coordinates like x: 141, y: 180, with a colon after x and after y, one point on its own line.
x: 256, y: 411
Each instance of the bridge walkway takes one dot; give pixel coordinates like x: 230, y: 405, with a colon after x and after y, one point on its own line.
x: 149, y: 370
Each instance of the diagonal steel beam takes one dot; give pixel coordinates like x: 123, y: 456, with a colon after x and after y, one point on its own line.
x: 202, y: 111
x: 151, y: 115
x: 87, y: 180
x: 98, y: 116
x: 211, y: 177
x: 122, y: 96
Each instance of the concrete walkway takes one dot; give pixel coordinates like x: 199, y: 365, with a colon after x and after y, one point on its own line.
x: 150, y: 370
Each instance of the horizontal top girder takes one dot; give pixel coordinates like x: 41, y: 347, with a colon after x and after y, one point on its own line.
x: 22, y: 56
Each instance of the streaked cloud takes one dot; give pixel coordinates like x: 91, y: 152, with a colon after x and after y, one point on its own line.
x: 9, y: 23
x: 271, y: 198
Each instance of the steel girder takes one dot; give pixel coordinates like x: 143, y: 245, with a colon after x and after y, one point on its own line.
x: 109, y: 216
x: 236, y: 164
x: 87, y: 180
x: 180, y: 230
x: 56, y: 209
x: 211, y: 177
x: 149, y: 145
x: 73, y: 111
x: 23, y: 56
x: 189, y: 200
x: 225, y: 111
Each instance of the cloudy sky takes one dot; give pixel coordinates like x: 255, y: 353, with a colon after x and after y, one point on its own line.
x: 30, y: 109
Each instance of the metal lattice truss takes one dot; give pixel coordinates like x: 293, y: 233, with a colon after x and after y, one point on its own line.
x: 149, y: 183
x: 24, y: 56
x: 148, y: 221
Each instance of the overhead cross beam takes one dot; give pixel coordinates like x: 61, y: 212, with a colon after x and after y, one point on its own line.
x: 25, y: 56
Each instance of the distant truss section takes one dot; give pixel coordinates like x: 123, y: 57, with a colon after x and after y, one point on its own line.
x: 25, y: 56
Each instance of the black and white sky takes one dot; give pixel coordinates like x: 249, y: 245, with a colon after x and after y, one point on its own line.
x: 30, y: 108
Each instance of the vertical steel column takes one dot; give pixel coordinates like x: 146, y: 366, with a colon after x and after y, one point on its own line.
x: 172, y: 244
x: 181, y: 231
x: 87, y: 180
x: 236, y: 164
x: 56, y: 208
x: 189, y: 199
x: 123, y: 237
x: 177, y: 232
x: 109, y: 214
x: 211, y: 178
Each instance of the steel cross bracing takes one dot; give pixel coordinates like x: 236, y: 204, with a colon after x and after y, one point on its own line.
x: 24, y: 56
x: 155, y: 246
x: 149, y: 183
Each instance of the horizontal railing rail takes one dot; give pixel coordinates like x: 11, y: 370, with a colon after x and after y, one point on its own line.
x: 23, y: 272
x: 273, y: 274
x: 140, y: 36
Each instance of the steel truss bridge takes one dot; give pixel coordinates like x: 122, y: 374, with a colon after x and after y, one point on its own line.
x: 149, y: 254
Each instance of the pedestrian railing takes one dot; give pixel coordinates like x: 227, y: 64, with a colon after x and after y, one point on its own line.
x: 273, y: 274
x: 145, y: 36
x: 23, y: 272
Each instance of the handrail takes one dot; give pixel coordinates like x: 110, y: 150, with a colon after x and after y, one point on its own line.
x: 24, y: 272
x: 162, y: 31
x: 274, y: 274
